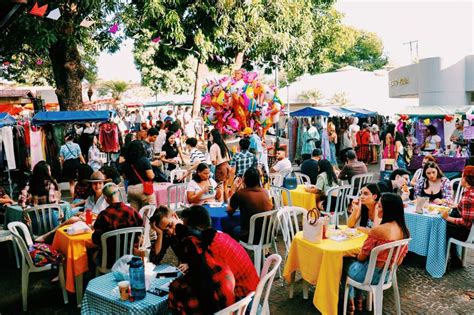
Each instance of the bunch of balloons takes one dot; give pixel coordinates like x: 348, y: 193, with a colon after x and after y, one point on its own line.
x: 235, y: 102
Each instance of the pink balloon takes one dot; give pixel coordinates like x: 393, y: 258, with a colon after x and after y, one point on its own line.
x: 233, y: 123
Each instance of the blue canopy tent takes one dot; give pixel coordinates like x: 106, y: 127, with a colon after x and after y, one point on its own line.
x: 43, y: 118
x: 6, y: 120
x: 320, y: 111
x: 359, y: 112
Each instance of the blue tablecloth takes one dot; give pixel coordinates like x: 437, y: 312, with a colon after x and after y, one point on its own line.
x: 99, y: 300
x: 428, y: 234
x: 15, y: 213
x: 219, y: 215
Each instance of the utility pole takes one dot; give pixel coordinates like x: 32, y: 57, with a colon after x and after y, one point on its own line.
x: 413, y: 43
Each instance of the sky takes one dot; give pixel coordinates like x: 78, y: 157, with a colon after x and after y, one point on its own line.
x: 442, y: 28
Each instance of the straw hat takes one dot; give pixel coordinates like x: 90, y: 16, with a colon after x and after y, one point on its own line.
x: 98, y: 177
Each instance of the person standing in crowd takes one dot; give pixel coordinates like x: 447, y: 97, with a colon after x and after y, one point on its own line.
x: 400, y: 144
x: 255, y: 146
x: 220, y: 156
x: 352, y: 167
x: 161, y: 139
x: 363, y: 143
x: 148, y: 143
x: 189, y: 130
x: 138, y: 121
x: 283, y: 164
x: 70, y: 156
x: 354, y: 129
x: 460, y: 219
x: 310, y: 167
x: 457, y: 137
x: 346, y: 144
x: 136, y: 169
x: 196, y: 157
x: 332, y: 136
x: 375, y: 143
x: 133, y: 119
x: 310, y: 137
x: 433, y: 184
x: 243, y: 160
x: 432, y: 139
x: 93, y: 155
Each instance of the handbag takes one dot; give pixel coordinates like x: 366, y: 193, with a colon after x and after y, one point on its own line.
x: 147, y: 186
x: 290, y: 182
x: 313, y: 226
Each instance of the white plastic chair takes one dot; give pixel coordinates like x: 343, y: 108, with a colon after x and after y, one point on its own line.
x: 124, y: 244
x: 357, y: 182
x: 43, y: 217
x: 277, y: 195
x: 267, y: 236
x: 238, y: 308
x: 179, y: 202
x: 276, y: 179
x: 469, y: 243
x: 146, y: 213
x: 176, y: 174
x: 341, y: 193
x: 458, y: 191
x: 302, y: 179
x: 265, y: 285
x: 17, y: 229
x: 390, y: 267
x: 6, y: 236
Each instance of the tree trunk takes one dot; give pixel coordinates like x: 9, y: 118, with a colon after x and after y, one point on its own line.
x: 68, y: 74
x: 239, y: 60
x: 200, y: 73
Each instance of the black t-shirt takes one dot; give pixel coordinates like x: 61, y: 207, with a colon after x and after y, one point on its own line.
x: 171, y: 153
x: 385, y: 186
x: 141, y: 166
x: 310, y: 167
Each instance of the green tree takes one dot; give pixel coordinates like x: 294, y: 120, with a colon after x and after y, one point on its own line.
x: 340, y: 99
x: 311, y: 96
x: 53, y: 50
x: 116, y: 88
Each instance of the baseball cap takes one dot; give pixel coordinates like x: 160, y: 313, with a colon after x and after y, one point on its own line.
x: 247, y: 131
x: 110, y: 189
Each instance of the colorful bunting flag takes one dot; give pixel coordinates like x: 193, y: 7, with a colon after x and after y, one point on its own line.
x: 156, y: 39
x: 54, y: 14
x: 86, y: 23
x: 39, y: 11
x: 114, y: 28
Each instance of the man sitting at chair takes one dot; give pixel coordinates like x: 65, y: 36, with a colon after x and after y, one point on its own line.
x: 283, y: 164
x: 243, y: 160
x: 310, y: 166
x: 352, y: 167
x: 116, y: 216
x: 397, y: 183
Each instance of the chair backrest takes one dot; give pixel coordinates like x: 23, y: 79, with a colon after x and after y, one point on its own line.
x: 146, y: 213
x: 21, y: 235
x: 179, y: 200
x: 265, y: 284
x: 176, y: 174
x: 123, y: 195
x: 43, y: 218
x: 341, y: 193
x: 124, y: 242
x: 238, y: 308
x: 391, y: 262
x: 268, y: 220
x: 458, y: 189
x: 302, y: 179
x: 358, y: 181
x: 289, y: 223
x: 276, y: 179
x: 286, y: 172
x: 470, y: 237
x: 277, y: 195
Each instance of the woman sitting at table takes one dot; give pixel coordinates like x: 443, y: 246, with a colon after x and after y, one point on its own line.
x: 250, y: 198
x: 82, y: 190
x: 460, y: 220
x: 417, y: 175
x: 433, y: 184
x: 202, y: 188
x: 326, y: 179
x: 392, y: 228
x: 432, y: 140
x: 41, y: 189
x: 363, y: 214
x: 171, y: 152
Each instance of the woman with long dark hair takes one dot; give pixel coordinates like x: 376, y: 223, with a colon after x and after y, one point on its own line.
x: 202, y: 188
x: 392, y: 228
x: 171, y: 151
x: 326, y: 179
x: 363, y: 213
x: 400, y: 144
x: 432, y: 140
x: 220, y: 156
x: 43, y: 187
x: 137, y: 169
x: 433, y: 184
x: 70, y: 156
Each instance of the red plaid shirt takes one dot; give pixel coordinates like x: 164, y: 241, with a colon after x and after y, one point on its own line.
x: 226, y: 249
x: 466, y: 208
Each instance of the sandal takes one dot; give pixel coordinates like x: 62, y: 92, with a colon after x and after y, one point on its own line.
x: 360, y: 303
x: 351, y: 307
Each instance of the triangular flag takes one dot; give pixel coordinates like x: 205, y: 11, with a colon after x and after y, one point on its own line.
x: 156, y: 39
x: 39, y: 11
x: 114, y: 28
x: 54, y: 15
x: 86, y: 23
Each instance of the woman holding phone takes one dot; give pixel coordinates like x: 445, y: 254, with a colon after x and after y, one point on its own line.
x: 202, y: 188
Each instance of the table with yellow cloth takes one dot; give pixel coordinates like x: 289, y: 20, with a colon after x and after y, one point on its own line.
x: 321, y: 265
x: 301, y: 198
x: 74, y: 248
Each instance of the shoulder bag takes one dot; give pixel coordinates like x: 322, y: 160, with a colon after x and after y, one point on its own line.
x: 313, y: 227
x: 147, y: 186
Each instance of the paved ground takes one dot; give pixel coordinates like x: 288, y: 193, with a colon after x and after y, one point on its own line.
x: 420, y: 294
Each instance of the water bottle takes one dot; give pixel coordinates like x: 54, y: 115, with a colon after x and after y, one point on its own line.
x: 137, y: 278
x: 88, y: 216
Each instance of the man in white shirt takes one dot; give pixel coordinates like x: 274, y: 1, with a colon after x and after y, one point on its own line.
x: 161, y: 139
x: 283, y: 164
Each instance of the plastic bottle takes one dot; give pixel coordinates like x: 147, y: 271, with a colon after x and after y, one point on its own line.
x: 137, y: 278
x: 88, y: 216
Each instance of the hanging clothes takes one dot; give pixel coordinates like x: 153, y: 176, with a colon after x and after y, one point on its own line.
x: 6, y: 137
x: 109, y: 137
x: 20, y: 147
x: 51, y: 147
x: 37, y: 150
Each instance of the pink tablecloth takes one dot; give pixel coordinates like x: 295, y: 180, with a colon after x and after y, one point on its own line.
x: 161, y: 193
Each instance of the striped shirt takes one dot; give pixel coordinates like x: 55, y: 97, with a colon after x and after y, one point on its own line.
x: 197, y: 156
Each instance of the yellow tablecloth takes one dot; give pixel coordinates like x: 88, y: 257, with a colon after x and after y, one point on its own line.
x: 301, y: 198
x: 321, y: 265
x: 74, y: 247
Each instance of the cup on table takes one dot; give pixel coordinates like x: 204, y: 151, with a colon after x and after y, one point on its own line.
x: 124, y: 288
x: 420, y: 202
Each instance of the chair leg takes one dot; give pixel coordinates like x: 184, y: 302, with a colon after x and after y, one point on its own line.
x: 396, y: 294
x: 24, y: 287
x: 368, y: 302
x: 378, y: 302
x: 346, y: 298
x: 62, y: 282
x: 15, y: 252
x: 257, y: 259
x: 79, y: 289
x: 305, y: 289
x: 292, y: 285
x: 463, y: 256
